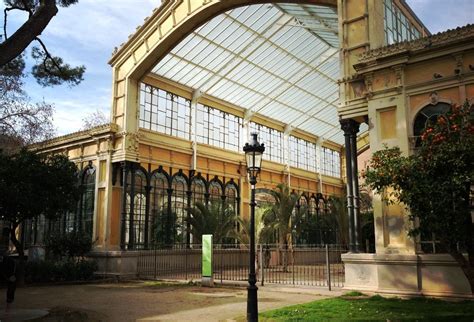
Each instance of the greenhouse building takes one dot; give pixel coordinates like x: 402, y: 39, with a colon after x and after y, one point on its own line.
x: 324, y: 83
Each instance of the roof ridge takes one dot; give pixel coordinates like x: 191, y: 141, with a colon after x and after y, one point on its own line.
x: 438, y: 39
x: 93, y: 130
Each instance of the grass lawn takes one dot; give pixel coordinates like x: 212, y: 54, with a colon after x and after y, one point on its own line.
x: 353, y: 307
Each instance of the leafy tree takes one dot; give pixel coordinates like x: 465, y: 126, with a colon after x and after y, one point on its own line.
x: 214, y: 218
x: 434, y: 183
x: 23, y: 122
x: 49, y: 69
x: 282, y: 219
x: 72, y: 245
x: 33, y: 185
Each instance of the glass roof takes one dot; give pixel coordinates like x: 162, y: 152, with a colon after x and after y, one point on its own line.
x: 279, y: 61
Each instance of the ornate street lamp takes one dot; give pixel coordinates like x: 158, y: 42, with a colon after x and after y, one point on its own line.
x: 253, y: 155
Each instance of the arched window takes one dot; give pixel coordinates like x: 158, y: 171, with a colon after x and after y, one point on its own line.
x: 34, y: 231
x: 215, y: 190
x: 429, y: 114
x: 86, y: 212
x: 303, y: 202
x: 198, y: 189
x: 179, y: 205
x: 311, y: 229
x: 299, y: 220
x: 312, y: 206
x: 232, y: 196
x: 140, y: 208
x: 159, y: 219
x: 321, y: 207
x: 232, y: 201
x: 135, y: 216
x: 426, y: 116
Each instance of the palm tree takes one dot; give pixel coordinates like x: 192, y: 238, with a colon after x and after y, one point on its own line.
x: 164, y: 229
x: 281, y: 218
x: 339, y: 218
x: 214, y: 218
x: 243, y: 234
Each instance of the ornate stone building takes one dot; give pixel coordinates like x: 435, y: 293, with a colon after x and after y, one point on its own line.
x: 198, y: 76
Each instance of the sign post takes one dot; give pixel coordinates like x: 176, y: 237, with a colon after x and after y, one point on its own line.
x: 207, y: 276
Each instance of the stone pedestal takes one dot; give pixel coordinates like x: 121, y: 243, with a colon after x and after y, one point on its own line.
x: 431, y: 275
x: 122, y: 264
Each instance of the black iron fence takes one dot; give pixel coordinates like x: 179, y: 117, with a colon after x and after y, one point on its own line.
x: 312, y: 265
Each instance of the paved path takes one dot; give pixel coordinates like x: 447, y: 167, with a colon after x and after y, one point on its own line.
x: 143, y: 302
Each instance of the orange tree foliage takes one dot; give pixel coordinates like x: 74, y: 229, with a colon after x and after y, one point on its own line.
x: 434, y: 183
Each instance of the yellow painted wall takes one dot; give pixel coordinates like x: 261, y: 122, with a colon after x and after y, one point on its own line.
x: 101, y: 216
x: 114, y: 229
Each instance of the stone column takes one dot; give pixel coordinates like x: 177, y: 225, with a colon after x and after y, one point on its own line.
x: 125, y: 170
x: 350, y: 128
x: 355, y: 187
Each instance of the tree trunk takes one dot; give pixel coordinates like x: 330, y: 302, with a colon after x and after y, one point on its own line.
x: 32, y: 28
x: 467, y: 265
x: 283, y: 246
x: 16, y: 242
x: 20, y: 270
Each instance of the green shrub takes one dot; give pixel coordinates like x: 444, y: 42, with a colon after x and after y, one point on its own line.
x: 39, y: 272
x: 71, y: 245
x: 48, y: 271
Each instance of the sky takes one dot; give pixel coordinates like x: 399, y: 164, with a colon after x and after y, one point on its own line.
x: 86, y: 34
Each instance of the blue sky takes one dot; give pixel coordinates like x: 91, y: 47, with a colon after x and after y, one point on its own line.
x: 86, y: 34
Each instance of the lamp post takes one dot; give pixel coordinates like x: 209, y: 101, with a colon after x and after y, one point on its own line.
x: 253, y: 156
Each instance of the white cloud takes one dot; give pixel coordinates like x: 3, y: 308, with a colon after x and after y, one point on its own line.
x: 69, y: 113
x: 94, y: 24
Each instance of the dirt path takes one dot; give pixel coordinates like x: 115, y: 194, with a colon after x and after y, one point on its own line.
x: 140, y: 301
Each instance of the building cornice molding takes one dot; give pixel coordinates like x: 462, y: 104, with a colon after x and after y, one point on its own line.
x: 438, y: 40
x: 84, y: 135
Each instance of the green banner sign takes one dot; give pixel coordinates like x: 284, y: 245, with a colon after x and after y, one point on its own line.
x: 207, y: 255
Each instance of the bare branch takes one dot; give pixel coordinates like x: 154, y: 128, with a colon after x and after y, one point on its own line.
x: 5, y: 16
x: 48, y: 56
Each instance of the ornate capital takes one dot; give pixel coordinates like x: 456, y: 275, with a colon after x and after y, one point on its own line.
x: 349, y: 126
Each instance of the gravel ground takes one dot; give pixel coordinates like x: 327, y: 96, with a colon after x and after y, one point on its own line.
x: 141, y: 301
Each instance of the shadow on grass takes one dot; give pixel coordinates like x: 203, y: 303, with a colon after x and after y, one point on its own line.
x: 375, y: 308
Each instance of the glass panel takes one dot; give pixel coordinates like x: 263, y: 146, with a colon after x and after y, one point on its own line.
x: 179, y: 205
x: 158, y: 218
x: 164, y: 112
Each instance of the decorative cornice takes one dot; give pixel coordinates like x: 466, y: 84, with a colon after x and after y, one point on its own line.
x: 437, y: 40
x: 132, y: 37
x: 76, y: 136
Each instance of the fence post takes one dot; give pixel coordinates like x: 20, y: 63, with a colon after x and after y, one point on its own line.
x: 186, y: 263
x: 154, y: 253
x: 328, y: 267
x: 261, y: 266
x: 293, y: 263
x: 222, y: 254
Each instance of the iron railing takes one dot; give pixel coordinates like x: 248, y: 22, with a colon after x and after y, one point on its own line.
x: 311, y: 265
